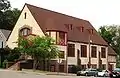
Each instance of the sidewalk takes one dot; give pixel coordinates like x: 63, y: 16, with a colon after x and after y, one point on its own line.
x: 46, y: 72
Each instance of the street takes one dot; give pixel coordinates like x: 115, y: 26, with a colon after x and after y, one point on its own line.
x: 15, y: 74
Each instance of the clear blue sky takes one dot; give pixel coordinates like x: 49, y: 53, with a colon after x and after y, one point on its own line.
x: 98, y: 12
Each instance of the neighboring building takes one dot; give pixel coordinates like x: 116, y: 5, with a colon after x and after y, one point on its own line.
x: 76, y: 38
x: 112, y: 57
x: 4, y: 34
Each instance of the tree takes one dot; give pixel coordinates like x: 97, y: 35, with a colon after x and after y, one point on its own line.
x: 4, y: 5
x: 112, y: 35
x: 40, y: 48
x: 8, y: 16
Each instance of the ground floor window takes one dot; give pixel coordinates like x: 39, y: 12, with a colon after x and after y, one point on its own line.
x: 104, y: 66
x: 61, y: 68
x: 94, y: 66
x: 83, y: 66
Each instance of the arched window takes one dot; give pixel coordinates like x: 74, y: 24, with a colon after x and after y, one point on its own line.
x: 25, y: 31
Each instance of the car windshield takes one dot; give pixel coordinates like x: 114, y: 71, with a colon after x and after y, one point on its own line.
x: 90, y: 69
x: 117, y: 69
x: 104, y: 71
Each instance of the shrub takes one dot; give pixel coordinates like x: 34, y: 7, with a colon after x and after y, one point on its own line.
x: 74, y: 69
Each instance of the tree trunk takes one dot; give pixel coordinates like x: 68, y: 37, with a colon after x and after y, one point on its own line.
x: 49, y: 65
x: 44, y: 64
x: 34, y: 64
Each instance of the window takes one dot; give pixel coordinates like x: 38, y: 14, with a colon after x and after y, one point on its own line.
x: 71, y: 50
x: 94, y: 66
x: 93, y: 51
x: 83, y: 51
x: 103, y: 52
x: 24, y: 31
x: 80, y: 28
x: 61, y: 54
x: 25, y: 15
x: 60, y: 38
x: 1, y: 44
x: 103, y: 66
x: 83, y: 66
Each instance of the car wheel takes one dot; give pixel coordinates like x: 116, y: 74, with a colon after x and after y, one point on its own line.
x: 86, y: 74
x: 95, y: 75
x: 104, y: 75
x: 78, y: 74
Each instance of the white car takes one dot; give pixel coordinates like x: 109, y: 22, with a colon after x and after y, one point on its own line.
x: 103, y: 73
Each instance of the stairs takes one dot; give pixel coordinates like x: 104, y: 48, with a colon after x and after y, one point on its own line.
x: 15, y: 66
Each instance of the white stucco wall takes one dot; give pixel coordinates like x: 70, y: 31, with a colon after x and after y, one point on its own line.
x: 112, y: 60
x: 29, y: 21
x: 84, y: 60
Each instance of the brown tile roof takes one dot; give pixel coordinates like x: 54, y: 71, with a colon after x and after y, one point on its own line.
x: 50, y: 20
x: 111, y: 51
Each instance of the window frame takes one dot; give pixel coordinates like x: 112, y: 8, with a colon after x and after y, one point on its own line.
x: 60, y: 39
x: 83, y: 50
x: 103, y: 52
x: 93, y: 51
x: 71, y: 50
x: 62, y: 56
x: 25, y: 31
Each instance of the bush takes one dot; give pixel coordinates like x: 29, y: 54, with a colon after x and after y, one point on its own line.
x: 74, y: 69
x: 4, y: 64
x: 13, y: 55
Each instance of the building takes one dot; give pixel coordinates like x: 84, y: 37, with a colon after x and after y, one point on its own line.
x: 76, y: 38
x: 4, y: 34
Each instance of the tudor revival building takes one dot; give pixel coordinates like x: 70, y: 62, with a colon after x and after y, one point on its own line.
x: 76, y: 38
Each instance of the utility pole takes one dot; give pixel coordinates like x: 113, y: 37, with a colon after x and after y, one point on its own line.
x: 90, y: 31
x: 66, y: 53
x: 89, y: 63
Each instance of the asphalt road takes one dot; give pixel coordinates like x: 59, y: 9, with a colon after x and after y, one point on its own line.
x: 15, y: 74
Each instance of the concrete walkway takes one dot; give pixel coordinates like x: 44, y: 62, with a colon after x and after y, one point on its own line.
x: 30, y: 74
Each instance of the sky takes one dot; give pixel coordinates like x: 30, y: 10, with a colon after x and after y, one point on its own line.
x: 98, y: 12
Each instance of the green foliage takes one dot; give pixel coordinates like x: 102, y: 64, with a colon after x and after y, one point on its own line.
x: 4, y: 64
x: 40, y: 48
x: 8, y: 16
x: 74, y: 69
x: 4, y: 5
x: 112, y: 35
x: 13, y: 55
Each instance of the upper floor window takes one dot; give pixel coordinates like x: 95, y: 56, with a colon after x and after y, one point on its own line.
x: 93, y: 51
x: 103, y: 52
x: 71, y: 50
x: 25, y: 15
x: 25, y: 31
x: 60, y: 38
x: 83, y: 51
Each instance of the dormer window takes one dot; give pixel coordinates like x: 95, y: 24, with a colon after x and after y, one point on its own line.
x: 69, y: 26
x: 25, y: 31
x: 80, y: 28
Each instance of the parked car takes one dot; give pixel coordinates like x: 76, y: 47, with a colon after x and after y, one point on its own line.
x: 116, y: 72
x: 88, y: 72
x: 103, y: 73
